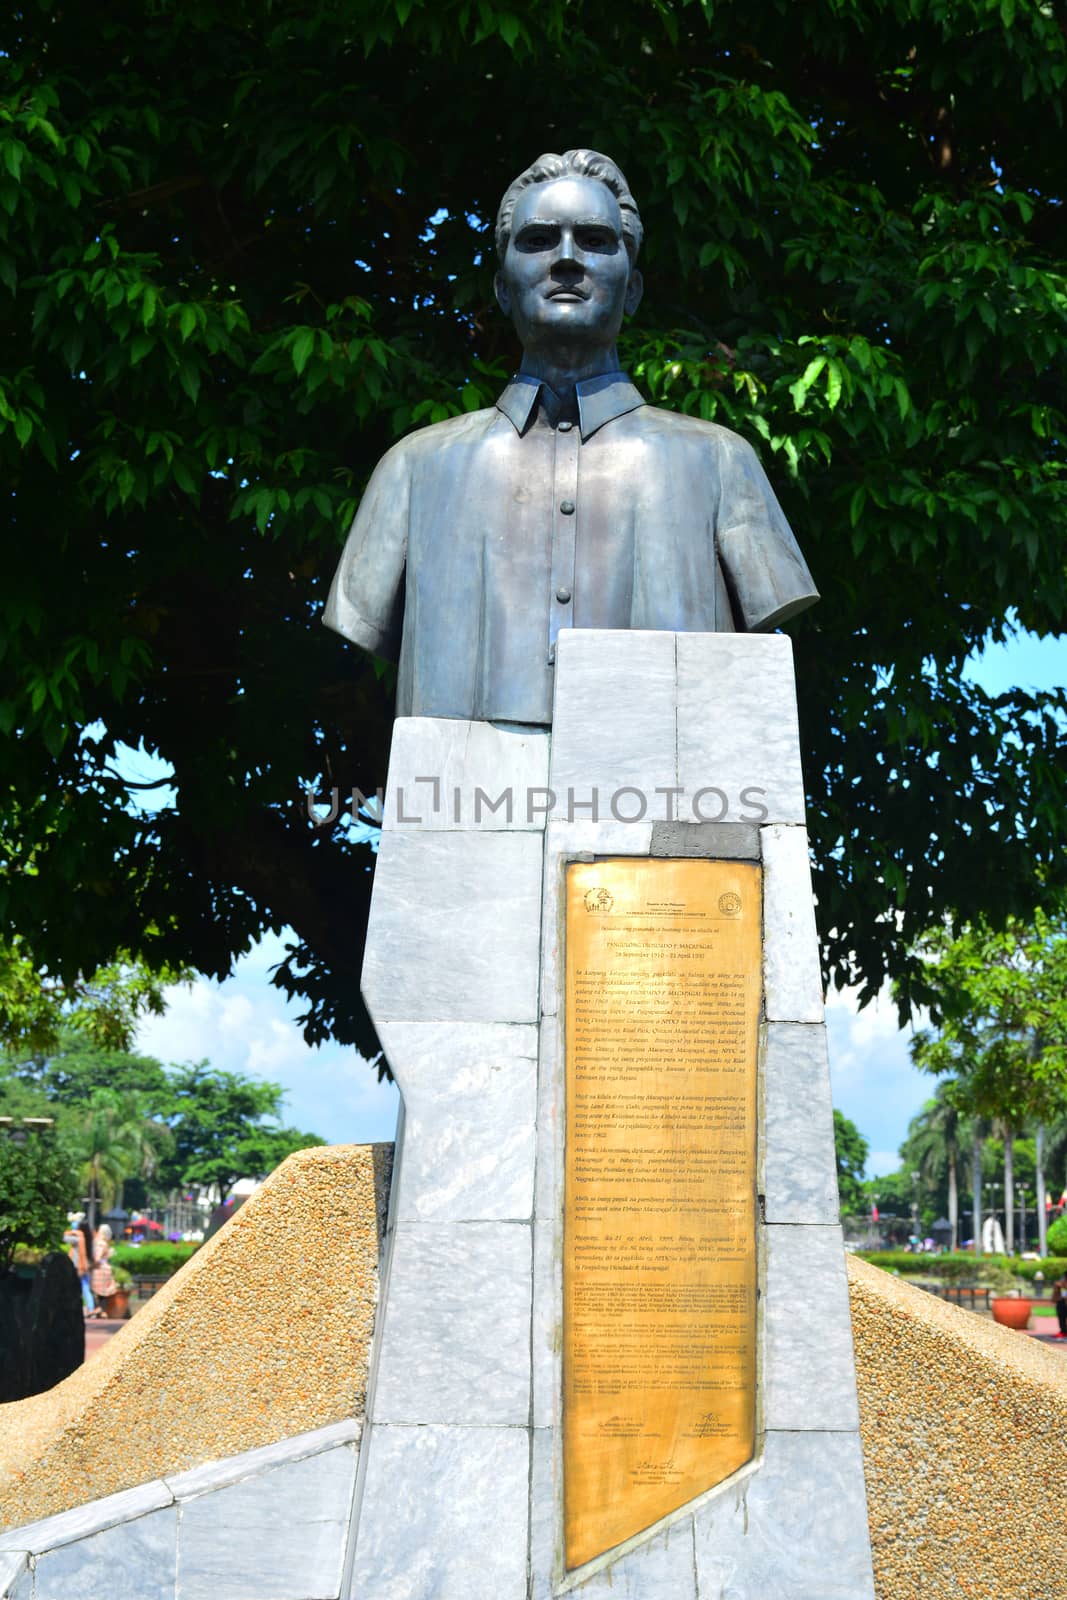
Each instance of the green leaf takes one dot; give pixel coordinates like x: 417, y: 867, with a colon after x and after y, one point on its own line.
x: 833, y: 384
x: 801, y: 388
x: 856, y: 504
x: 302, y: 346
x: 189, y: 378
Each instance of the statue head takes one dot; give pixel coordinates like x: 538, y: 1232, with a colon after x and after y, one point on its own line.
x: 567, y: 233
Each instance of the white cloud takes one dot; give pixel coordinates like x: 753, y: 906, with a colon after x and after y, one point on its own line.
x: 244, y: 1024
x: 872, y: 1078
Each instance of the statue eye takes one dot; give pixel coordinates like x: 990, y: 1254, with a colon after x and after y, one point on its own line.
x: 537, y: 236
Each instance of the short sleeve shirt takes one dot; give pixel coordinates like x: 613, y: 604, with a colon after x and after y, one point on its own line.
x: 479, y: 538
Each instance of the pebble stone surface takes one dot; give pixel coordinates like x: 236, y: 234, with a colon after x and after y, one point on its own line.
x: 964, y: 1429
x: 264, y: 1334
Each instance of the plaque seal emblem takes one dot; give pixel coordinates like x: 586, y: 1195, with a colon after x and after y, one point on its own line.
x: 599, y: 900
x: 729, y: 903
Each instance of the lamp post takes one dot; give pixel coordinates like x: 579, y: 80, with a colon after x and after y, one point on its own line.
x: 1022, y: 1218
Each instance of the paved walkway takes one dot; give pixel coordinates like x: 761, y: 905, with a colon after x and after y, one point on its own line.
x: 1055, y: 1339
x: 97, y: 1333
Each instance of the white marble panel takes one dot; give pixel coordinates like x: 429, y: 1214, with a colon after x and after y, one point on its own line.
x: 547, y: 1323
x: 454, y: 925
x: 456, y: 1332
x: 546, y: 1513
x: 798, y: 1171
x: 791, y: 976
x: 133, y: 1561
x: 21, y: 1587
x: 662, y: 1567
x: 737, y: 727
x: 278, y: 1536
x: 809, y: 1380
x: 564, y: 841
x: 613, y: 723
x: 12, y: 1568
x: 444, y: 1515
x: 108, y: 1512
x: 794, y: 1530
x: 470, y: 1101
x: 232, y: 1469
x: 437, y: 766
x: 551, y: 1089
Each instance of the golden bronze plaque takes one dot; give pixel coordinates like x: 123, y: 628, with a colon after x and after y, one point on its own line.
x: 659, y: 1275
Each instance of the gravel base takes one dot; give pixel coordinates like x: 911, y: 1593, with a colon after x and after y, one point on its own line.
x: 265, y: 1333
x: 964, y: 1427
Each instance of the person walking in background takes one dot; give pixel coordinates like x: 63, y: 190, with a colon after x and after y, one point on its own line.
x: 85, y: 1267
x: 1059, y: 1300
x: 79, y: 1241
x: 103, y: 1280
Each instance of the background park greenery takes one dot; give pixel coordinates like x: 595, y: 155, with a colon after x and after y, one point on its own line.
x: 994, y: 1132
x: 127, y: 1130
x: 243, y: 247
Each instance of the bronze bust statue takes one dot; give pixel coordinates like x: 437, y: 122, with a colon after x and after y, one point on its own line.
x: 571, y: 503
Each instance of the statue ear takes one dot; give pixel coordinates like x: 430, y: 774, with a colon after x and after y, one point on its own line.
x: 503, y: 293
x: 634, y: 290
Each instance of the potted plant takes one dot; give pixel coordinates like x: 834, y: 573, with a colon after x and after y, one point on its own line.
x: 1012, y: 1310
x: 117, y: 1304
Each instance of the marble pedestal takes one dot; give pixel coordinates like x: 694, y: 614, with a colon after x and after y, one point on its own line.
x: 675, y: 745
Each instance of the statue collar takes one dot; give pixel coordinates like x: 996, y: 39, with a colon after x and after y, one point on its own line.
x: 600, y: 400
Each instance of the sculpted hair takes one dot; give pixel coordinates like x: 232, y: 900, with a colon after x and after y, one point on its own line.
x: 576, y: 164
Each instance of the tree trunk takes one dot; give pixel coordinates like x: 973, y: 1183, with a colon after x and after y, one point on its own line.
x: 1042, y: 1214
x: 976, y: 1190
x: 1009, y: 1190
x: 953, y: 1203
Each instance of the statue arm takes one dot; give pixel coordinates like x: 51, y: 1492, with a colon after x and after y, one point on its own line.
x: 766, y: 574
x: 366, y: 599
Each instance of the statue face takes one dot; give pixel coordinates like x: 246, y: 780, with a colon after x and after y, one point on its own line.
x: 566, y: 277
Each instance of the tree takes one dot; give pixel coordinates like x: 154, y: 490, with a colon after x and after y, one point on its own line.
x: 851, y: 1150
x: 76, y: 1068
x: 932, y: 1148
x: 104, y: 1006
x: 37, y: 1181
x: 1002, y: 995
x: 225, y: 1127
x: 114, y: 1140
x: 230, y: 276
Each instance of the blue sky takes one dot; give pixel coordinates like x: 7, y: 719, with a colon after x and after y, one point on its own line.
x: 245, y: 1023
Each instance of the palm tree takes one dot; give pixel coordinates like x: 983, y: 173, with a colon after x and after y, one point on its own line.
x: 933, y: 1145
x: 115, y: 1140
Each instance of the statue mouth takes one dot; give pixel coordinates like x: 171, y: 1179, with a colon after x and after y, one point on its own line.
x: 567, y: 292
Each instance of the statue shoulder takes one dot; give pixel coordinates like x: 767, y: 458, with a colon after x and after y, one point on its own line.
x: 679, y: 426
x: 453, y: 432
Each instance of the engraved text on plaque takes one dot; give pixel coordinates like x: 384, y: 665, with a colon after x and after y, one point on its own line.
x: 659, y: 1278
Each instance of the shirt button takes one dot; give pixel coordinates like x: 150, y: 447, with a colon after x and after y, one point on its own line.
x: 567, y: 507
x: 563, y: 595
x: 565, y: 427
